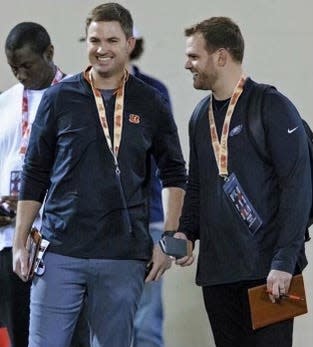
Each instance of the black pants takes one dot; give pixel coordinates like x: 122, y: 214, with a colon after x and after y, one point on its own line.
x: 14, y: 301
x: 227, y: 307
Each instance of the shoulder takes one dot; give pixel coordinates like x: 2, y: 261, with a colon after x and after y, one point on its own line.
x: 152, y: 81
x: 69, y: 80
x: 199, y: 113
x: 278, y: 105
x: 270, y: 94
x: 10, y: 110
x: 68, y: 83
x: 135, y: 82
x: 13, y: 91
x: 275, y: 106
x: 11, y: 101
x: 201, y: 108
x: 137, y: 88
x: 279, y: 114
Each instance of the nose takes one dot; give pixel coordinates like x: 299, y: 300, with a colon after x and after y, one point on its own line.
x: 187, y: 64
x: 101, y: 49
x: 21, y: 75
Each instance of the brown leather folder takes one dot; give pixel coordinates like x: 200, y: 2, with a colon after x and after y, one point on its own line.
x: 264, y: 312
x: 33, y: 246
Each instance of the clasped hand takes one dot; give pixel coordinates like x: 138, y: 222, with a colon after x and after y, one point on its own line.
x: 278, y: 283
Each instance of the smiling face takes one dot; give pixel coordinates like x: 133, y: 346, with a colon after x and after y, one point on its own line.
x: 108, y: 49
x: 202, y: 64
x: 33, y: 70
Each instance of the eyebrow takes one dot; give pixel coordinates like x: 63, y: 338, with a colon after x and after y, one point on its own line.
x: 24, y: 62
x: 113, y: 37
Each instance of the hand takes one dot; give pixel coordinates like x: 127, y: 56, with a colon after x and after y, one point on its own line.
x: 20, y: 262
x: 10, y: 201
x: 189, y: 259
x: 161, y: 262
x: 5, y: 221
x: 278, y: 283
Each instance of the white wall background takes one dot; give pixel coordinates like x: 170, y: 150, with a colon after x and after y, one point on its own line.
x: 279, y: 50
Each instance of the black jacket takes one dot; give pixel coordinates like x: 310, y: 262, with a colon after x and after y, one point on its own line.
x: 280, y: 192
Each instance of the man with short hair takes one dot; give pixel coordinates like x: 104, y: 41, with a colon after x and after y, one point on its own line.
x: 90, y: 149
x: 30, y: 55
x: 242, y: 209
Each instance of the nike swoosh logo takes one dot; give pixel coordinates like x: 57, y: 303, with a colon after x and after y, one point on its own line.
x: 290, y: 131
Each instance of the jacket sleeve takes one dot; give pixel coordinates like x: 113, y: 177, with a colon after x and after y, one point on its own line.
x: 288, y: 146
x: 166, y: 148
x: 190, y: 218
x: 40, y: 152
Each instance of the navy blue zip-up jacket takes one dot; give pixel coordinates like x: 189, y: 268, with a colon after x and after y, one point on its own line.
x: 280, y: 192
x: 156, y: 208
x: 90, y: 211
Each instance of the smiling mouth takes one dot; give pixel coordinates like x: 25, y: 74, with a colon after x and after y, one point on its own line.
x: 104, y: 59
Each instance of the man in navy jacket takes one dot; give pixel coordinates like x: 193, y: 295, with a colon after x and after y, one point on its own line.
x: 89, y: 154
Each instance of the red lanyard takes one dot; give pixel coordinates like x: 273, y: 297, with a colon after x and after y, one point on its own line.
x: 221, y: 148
x: 26, y: 127
x: 118, y: 114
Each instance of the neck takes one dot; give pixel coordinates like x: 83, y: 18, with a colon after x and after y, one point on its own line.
x: 225, y: 85
x: 50, y: 77
x: 129, y: 68
x: 106, y: 82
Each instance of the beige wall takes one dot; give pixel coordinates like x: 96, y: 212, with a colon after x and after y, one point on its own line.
x: 279, y: 50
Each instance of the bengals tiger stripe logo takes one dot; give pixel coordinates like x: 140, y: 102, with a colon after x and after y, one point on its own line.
x: 134, y: 118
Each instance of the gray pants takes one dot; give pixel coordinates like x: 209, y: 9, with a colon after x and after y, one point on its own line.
x: 113, y: 289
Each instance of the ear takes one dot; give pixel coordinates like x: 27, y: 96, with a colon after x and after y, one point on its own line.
x: 131, y: 42
x: 49, y: 52
x: 222, y: 57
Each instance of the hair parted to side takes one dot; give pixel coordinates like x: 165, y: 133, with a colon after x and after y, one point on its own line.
x: 110, y: 12
x: 220, y: 32
x: 28, y: 33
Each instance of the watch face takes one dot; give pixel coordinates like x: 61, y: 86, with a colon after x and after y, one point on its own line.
x: 169, y: 232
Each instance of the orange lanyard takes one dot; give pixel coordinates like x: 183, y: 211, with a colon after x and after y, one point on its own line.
x: 221, y: 148
x: 26, y: 127
x: 118, y: 115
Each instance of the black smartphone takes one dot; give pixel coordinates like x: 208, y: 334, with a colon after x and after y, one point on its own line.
x: 176, y: 248
x: 148, y: 269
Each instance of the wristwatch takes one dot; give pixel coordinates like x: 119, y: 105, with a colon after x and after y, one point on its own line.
x: 169, y: 233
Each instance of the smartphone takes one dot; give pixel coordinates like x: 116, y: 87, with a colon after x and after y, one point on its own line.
x: 148, y: 269
x: 177, y: 248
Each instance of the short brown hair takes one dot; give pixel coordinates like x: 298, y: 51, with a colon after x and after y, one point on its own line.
x: 220, y: 32
x: 110, y: 12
